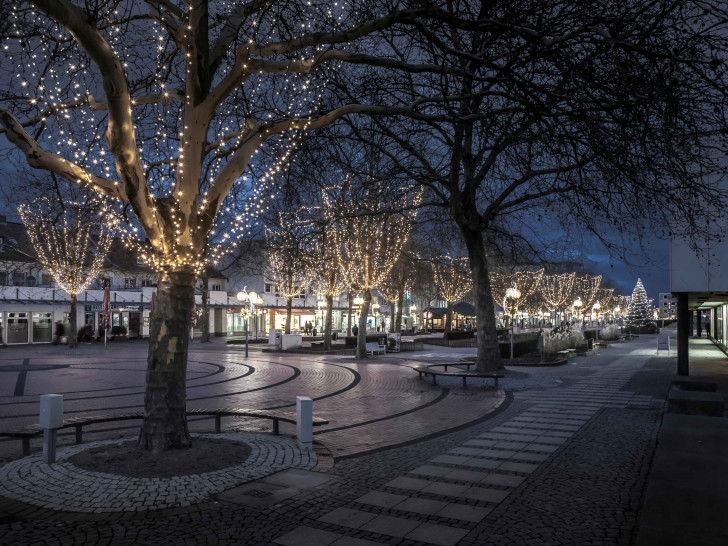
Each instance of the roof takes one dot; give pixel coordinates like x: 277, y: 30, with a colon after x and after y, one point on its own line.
x: 464, y: 308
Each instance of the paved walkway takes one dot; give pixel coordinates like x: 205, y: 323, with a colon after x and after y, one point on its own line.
x: 563, y: 461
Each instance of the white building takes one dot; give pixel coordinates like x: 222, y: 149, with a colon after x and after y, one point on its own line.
x: 667, y: 306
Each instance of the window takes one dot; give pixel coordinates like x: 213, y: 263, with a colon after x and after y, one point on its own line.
x: 268, y: 288
x: 217, y: 287
x: 146, y: 282
x: 3, y: 278
x: 18, y: 279
x: 2, y: 244
x: 130, y: 283
x: 105, y: 281
x: 46, y: 279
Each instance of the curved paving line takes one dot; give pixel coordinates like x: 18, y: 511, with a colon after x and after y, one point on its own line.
x: 354, y: 383
x: 443, y: 394
x: 500, y: 409
x: 222, y: 368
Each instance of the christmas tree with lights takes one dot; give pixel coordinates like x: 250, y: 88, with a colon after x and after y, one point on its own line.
x: 638, y: 311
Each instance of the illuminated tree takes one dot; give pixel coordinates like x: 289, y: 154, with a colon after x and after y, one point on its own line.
x: 557, y: 290
x: 290, y: 265
x: 587, y: 288
x: 452, y: 278
x: 328, y: 279
x: 371, y: 229
x: 163, y: 106
x: 639, y: 312
x: 398, y: 282
x: 71, y: 243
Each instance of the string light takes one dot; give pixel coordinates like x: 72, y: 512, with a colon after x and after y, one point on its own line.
x: 451, y: 277
x: 71, y: 247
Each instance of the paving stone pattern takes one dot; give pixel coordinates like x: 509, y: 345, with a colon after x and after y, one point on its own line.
x: 433, y: 502
x: 64, y: 486
x: 564, y: 464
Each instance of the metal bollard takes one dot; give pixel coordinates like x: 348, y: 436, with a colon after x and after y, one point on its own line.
x: 51, y: 419
x: 304, y: 421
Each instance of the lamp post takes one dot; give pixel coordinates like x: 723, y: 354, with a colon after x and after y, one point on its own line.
x: 512, y: 293
x: 577, y: 303
x: 248, y: 301
x: 595, y: 312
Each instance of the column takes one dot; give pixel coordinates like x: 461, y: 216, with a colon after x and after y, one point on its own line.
x: 684, y: 328
x: 699, y: 323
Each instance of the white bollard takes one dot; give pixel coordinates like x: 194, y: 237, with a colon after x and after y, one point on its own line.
x: 304, y: 421
x: 51, y: 419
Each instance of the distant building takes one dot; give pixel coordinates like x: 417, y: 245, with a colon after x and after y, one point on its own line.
x: 667, y: 306
x: 31, y: 302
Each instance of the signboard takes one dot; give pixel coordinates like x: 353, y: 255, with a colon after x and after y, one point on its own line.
x: 663, y: 343
x: 114, y: 307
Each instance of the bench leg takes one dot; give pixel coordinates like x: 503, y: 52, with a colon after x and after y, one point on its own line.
x: 465, y: 385
x: 445, y: 367
x: 79, y: 434
x: 26, y: 446
x: 218, y: 425
x: 276, y: 431
x: 434, y: 379
x: 496, y: 382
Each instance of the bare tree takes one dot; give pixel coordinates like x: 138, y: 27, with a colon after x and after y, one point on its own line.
x: 453, y: 281
x: 599, y: 117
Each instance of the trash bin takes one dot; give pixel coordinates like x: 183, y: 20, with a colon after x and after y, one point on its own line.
x: 590, y: 343
x: 335, y: 336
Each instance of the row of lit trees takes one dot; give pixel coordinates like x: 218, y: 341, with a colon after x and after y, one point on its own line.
x: 537, y: 292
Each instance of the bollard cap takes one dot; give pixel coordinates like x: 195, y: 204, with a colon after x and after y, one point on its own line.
x: 51, y: 411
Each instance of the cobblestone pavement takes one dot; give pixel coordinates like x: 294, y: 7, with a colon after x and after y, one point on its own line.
x: 369, y: 405
x: 564, y: 461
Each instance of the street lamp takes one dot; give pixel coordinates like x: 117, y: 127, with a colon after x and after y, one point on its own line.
x: 595, y: 312
x: 248, y: 301
x: 514, y: 294
x: 577, y: 303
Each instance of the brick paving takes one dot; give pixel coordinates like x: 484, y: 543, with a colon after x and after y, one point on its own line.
x: 563, y: 461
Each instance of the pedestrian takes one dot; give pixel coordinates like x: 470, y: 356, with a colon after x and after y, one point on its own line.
x: 355, y: 330
x: 59, y: 333
x: 314, y: 331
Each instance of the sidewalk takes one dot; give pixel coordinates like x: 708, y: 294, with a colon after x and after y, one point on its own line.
x: 687, y: 494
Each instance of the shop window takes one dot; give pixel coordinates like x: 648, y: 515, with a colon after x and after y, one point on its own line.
x: 17, y: 327
x: 42, y: 328
x: 130, y: 283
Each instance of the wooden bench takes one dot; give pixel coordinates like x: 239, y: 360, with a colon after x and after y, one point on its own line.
x: 27, y: 432
x: 427, y: 370
x: 373, y: 348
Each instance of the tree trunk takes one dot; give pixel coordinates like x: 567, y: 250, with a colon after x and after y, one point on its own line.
x: 328, y: 323
x: 289, y: 314
x: 448, y: 318
x: 361, y: 342
x: 348, y: 320
x: 165, y: 400
x: 400, y: 304
x: 205, y: 308
x: 488, y: 353
x: 72, y: 320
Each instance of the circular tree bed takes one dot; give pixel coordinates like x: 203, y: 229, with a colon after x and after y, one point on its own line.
x: 205, y: 455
